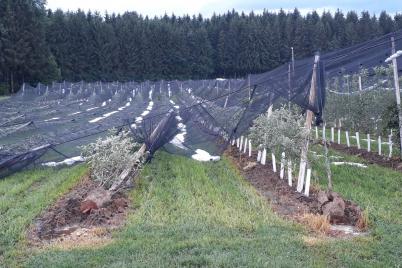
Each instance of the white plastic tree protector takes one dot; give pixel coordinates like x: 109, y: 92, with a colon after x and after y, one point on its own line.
x: 282, y: 172
x: 273, y: 162
x: 264, y: 156
x: 259, y: 156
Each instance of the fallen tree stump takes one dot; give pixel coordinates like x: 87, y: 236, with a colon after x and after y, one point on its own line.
x: 97, y: 198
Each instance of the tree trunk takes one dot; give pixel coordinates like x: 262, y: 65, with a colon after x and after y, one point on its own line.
x: 100, y: 197
x: 97, y: 198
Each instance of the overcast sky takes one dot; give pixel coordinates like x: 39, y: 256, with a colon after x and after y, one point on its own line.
x: 207, y: 7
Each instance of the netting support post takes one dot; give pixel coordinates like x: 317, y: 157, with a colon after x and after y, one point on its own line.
x: 397, y: 93
x: 249, y: 87
x: 289, y: 85
x: 309, y: 120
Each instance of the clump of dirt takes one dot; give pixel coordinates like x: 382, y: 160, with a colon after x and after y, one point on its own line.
x: 65, y: 219
x: 289, y: 203
x: 371, y: 157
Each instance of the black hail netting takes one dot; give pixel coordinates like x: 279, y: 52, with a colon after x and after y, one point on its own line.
x: 48, y: 123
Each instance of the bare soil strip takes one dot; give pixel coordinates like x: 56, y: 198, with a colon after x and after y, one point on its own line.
x: 371, y: 157
x: 64, y: 223
x: 285, y: 200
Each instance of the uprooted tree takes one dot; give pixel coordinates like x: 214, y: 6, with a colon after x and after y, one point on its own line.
x: 113, y: 161
x: 118, y: 158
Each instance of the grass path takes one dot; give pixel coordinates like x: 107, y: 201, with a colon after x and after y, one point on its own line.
x: 193, y: 214
x: 24, y: 195
x: 190, y: 214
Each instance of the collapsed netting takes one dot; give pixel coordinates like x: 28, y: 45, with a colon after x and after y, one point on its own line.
x: 48, y: 123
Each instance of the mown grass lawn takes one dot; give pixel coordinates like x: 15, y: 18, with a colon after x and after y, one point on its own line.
x: 190, y: 214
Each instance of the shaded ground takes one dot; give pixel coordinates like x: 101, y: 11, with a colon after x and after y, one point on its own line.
x: 370, y: 157
x: 65, y: 220
x: 285, y: 200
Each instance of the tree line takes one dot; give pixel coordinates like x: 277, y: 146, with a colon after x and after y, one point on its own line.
x: 40, y: 45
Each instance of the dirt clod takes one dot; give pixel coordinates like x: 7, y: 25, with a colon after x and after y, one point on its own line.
x: 87, y: 205
x: 250, y: 165
x: 335, y: 209
x: 322, y: 197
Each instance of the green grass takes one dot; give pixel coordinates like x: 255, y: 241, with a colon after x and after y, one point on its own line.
x: 4, y: 97
x: 378, y: 191
x: 24, y: 195
x: 191, y: 214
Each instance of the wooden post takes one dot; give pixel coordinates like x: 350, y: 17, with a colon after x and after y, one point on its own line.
x: 249, y: 148
x: 237, y: 142
x: 339, y: 136
x: 227, y: 97
x: 249, y: 88
x: 316, y: 132
x: 270, y: 110
x: 293, y: 60
x: 397, y: 93
x: 273, y: 162
x: 241, y: 143
x: 347, y: 139
x: 289, y: 86
x: 332, y: 135
x: 360, y: 83
x: 379, y: 145
x: 309, y: 119
x: 368, y: 143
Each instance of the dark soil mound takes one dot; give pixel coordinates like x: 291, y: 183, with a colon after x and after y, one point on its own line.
x: 371, y: 157
x: 289, y: 203
x: 65, y: 216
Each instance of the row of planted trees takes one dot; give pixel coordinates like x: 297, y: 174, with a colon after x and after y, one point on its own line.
x: 364, y: 102
x: 359, y: 101
x: 282, y: 132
